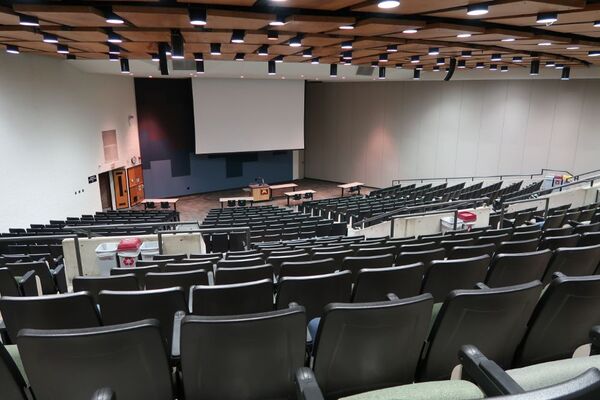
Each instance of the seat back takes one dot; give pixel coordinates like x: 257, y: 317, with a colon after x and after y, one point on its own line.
x: 184, y: 280
x: 355, y: 264
x: 243, y: 356
x: 338, y: 256
x: 514, y: 269
x: 567, y: 230
x: 426, y: 257
x: 444, y: 276
x: 12, y: 384
x: 276, y: 261
x: 8, y: 283
x: 234, y: 299
x: 176, y: 257
x: 374, y: 284
x: 40, y: 269
x: 493, y: 320
x: 139, y: 272
x: 161, y: 304
x: 520, y: 246
x: 573, y: 261
x: 561, y: 320
x: 314, y: 292
x: 110, y: 356
x: 554, y: 242
x: 238, y: 263
x: 589, y: 239
x: 367, y: 346
x: 448, y: 244
x: 584, y: 228
x: 495, y: 239
x: 306, y: 268
x: 94, y: 285
x: 520, y: 236
x: 471, y: 251
x: 183, y: 266
x: 226, y: 276
x: 376, y: 251
x: 60, y: 311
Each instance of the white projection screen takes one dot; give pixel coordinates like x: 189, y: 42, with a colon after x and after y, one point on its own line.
x: 241, y: 115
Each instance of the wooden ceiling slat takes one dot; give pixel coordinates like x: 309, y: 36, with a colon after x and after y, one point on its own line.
x: 64, y: 15
x: 260, y: 37
x: 154, y: 17
x: 507, y: 8
x: 379, y: 26
x: 321, y: 40
x: 243, y: 3
x: 155, y: 35
x: 20, y: 33
x: 314, y: 24
x: 439, y: 30
x: 416, y: 6
x: 331, y: 5
x: 8, y: 17
x: 80, y: 35
x: 206, y: 37
x: 226, y: 19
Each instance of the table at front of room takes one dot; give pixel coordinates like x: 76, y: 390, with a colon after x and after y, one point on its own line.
x: 283, y: 186
x: 300, y: 193
x: 224, y: 200
x: 172, y: 202
x: 353, y: 186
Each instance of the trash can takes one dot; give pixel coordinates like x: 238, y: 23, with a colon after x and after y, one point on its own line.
x: 466, y: 220
x: 106, y: 257
x: 129, y: 250
x: 149, y: 250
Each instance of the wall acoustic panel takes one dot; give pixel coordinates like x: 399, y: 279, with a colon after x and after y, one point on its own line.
x: 403, y: 130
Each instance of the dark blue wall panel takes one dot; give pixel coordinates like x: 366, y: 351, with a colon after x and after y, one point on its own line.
x: 167, y: 147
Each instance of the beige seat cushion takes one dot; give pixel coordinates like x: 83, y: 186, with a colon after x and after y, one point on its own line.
x: 441, y: 390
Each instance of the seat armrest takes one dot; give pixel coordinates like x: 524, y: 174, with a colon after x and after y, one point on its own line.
x: 307, y: 387
x: 104, y: 394
x: 60, y: 278
x: 481, y: 286
x: 595, y: 338
x: 28, y: 284
x: 176, y: 340
x: 486, y: 374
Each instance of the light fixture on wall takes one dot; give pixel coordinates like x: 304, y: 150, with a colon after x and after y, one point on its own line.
x: 566, y: 74
x: 125, y: 66
x: 272, y: 68
x: 382, y: 73
x: 238, y: 36
x: 215, y: 49
x: 477, y: 9
x: 263, y: 50
x: 333, y: 70
x: 11, y: 49
x: 198, y: 56
x: 200, y: 67
x: 197, y: 16
x: 535, y: 68
x: 416, y: 74
x: 346, y: 45
x: 28, y: 20
x: 50, y: 38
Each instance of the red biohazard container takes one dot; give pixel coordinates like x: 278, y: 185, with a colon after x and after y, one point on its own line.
x: 128, y: 251
x: 468, y: 218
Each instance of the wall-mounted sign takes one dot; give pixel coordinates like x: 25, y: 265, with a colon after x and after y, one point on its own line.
x: 92, y: 179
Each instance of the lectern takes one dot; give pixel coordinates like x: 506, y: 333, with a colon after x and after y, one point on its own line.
x: 260, y: 192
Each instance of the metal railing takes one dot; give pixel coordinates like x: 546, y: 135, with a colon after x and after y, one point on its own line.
x: 49, y: 237
x: 473, y: 178
x: 423, y: 214
x: 389, y: 214
x: 88, y: 230
x: 543, y: 192
x: 546, y: 201
x: 245, y: 229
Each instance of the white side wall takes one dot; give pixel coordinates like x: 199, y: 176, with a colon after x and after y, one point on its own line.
x: 51, y: 119
x: 376, y: 132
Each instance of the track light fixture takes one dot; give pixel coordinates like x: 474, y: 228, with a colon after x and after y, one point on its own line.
x: 198, y: 56
x: 215, y: 49
x: 263, y: 50
x: 333, y: 70
x: 28, y: 20
x: 238, y: 36
x: 547, y: 18
x: 477, y: 9
x: 416, y: 74
x: 197, y: 16
x: 272, y: 67
x: 566, y: 74
x: 346, y: 45
x: 124, y: 66
x: 278, y: 59
x: 200, y: 67
x: 62, y: 49
x: 50, y: 38
x: 12, y: 49
x: 535, y: 68
x: 392, y: 48
x: 296, y: 41
x: 112, y: 18
x: 177, y: 51
x: 239, y: 57
x: 272, y: 35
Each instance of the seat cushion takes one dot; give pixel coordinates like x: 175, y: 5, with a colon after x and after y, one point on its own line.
x: 14, y: 353
x: 441, y: 390
x: 550, y: 373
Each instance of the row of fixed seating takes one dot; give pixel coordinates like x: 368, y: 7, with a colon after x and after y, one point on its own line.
x: 68, y: 335
x: 556, y: 217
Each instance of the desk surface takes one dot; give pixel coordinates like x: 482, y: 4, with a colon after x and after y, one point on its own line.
x: 350, y: 185
x: 226, y: 199
x: 299, y: 192
x: 160, y: 201
x: 284, y: 186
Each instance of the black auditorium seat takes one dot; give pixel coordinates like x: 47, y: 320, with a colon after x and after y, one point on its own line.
x: 306, y: 268
x: 50, y: 280
x: 444, y: 276
x: 234, y: 299
x: 58, y: 311
x: 160, y: 304
x: 139, y: 272
x: 554, y: 242
x: 184, y: 280
x: 355, y: 264
x: 238, y: 263
x: 314, y: 292
x: 589, y: 239
x: 226, y: 276
x: 129, y: 358
x: 11, y: 285
x: 374, y: 284
x: 244, y: 356
x: 514, y: 269
x: 276, y: 261
x: 518, y: 246
x: 495, y: 239
x: 494, y: 320
x: 376, y: 251
x: 471, y: 251
x: 367, y: 346
x: 94, y: 284
x: 183, y: 266
x: 573, y: 261
x: 177, y: 257
x: 561, y: 320
x: 425, y: 257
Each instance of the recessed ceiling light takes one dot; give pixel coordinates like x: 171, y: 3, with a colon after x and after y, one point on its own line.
x: 419, y: 67
x: 392, y: 48
x: 496, y: 57
x: 493, y: 67
x: 112, y: 18
x: 386, y: 4
x: 399, y: 66
x: 415, y: 59
x: 346, y: 45
x: 383, y: 58
x: 566, y: 74
x: 433, y: 51
x: 479, y: 65
x: 416, y: 74
x: 333, y: 70
x: 374, y: 64
x: 296, y: 41
x: 272, y: 35
x: 463, y: 35
x: 573, y: 48
x: 594, y: 53
x: 215, y: 49
x: 508, y: 39
x: 50, y: 38
x: 517, y: 59
x: 200, y: 67
x: 239, y: 57
x: 560, y: 66
x: 347, y: 27
x: 278, y: 59
x: 114, y: 49
x: 198, y: 56
x: 547, y: 18
x: 535, y: 68
x: 307, y: 53
x: 462, y: 64
x: 466, y: 53
x: 504, y: 68
x: 124, y: 66
x: 12, y: 49
x: 62, y: 49
x: 436, y: 68
x: 596, y: 24
x: 28, y: 20
x: 477, y: 9
x: 154, y: 57
x: 347, y: 55
x: 315, y: 61
x: 197, y: 16
x: 440, y: 61
x: 263, y: 50
x: 113, y: 57
x: 545, y: 44
x: 278, y: 21
x: 114, y: 37
x: 382, y: 73
x: 238, y: 36
x: 409, y: 31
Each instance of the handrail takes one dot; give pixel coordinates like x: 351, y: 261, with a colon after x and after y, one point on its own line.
x: 455, y: 211
x: 542, y: 192
x: 472, y: 178
x: 87, y: 229
x: 205, y: 230
x: 49, y: 237
x: 391, y: 213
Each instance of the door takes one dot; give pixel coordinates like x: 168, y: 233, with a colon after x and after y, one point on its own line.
x: 105, y: 195
x: 121, y: 192
x: 136, y: 185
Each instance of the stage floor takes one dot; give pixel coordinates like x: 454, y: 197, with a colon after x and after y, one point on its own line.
x: 195, y: 207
